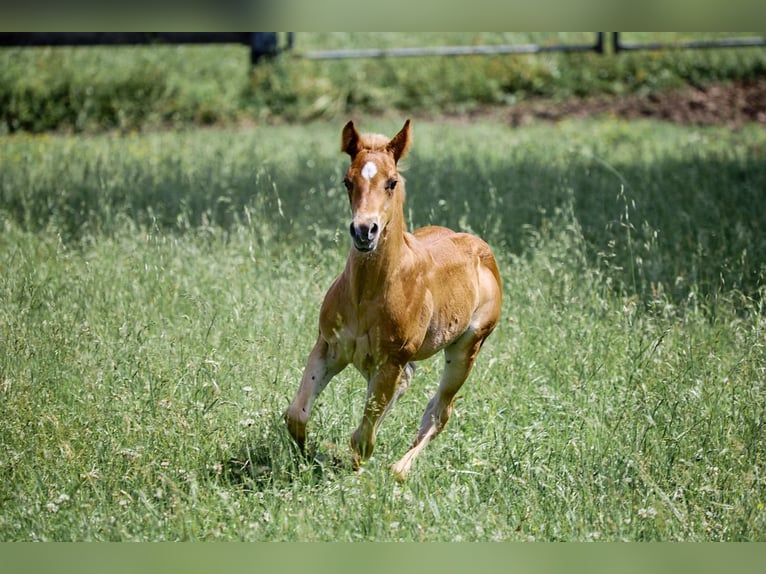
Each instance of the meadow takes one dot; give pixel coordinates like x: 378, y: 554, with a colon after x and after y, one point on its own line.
x: 160, y: 294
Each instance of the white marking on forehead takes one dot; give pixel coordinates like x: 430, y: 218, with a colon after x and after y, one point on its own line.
x: 369, y: 170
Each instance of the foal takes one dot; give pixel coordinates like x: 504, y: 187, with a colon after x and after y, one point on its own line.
x: 402, y: 297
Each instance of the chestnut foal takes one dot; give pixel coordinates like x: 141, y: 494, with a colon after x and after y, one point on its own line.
x: 402, y: 297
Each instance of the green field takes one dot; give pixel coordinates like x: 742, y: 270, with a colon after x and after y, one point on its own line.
x: 160, y: 294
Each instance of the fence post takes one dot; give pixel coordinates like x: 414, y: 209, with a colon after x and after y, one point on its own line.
x: 263, y: 44
x: 616, y: 42
x: 599, y: 47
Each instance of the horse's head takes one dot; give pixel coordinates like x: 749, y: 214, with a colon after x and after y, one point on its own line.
x: 373, y: 182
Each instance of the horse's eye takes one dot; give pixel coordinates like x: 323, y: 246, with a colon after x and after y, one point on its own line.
x: 347, y: 183
x: 391, y: 184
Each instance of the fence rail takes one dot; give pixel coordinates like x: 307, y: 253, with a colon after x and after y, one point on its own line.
x: 620, y: 46
x: 262, y: 44
x: 484, y: 50
x: 114, y: 38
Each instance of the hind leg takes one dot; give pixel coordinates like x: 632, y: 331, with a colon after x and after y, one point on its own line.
x: 459, y: 359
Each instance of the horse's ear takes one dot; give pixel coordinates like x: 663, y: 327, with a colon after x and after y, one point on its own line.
x: 400, y: 143
x: 349, y: 142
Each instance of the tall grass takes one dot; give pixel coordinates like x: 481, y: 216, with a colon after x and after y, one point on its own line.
x: 660, y: 207
x: 160, y: 294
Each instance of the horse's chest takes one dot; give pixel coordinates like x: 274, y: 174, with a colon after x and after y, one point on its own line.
x: 363, y: 354
x: 366, y: 339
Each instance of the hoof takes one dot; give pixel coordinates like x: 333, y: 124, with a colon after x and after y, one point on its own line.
x: 400, y: 473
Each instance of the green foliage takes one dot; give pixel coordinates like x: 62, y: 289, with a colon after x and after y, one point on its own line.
x: 160, y: 295
x: 128, y: 88
x: 300, y: 90
x: 93, y: 89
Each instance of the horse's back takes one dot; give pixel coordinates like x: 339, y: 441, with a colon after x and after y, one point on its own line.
x: 459, y: 261
x: 432, y: 233
x: 444, y: 242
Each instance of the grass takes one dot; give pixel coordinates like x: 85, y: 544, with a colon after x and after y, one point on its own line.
x: 136, y: 88
x: 160, y: 295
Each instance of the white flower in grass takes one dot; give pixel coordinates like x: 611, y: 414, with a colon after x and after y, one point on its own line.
x: 54, y: 505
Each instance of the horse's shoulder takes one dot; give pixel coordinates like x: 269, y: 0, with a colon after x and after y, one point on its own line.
x: 333, y: 298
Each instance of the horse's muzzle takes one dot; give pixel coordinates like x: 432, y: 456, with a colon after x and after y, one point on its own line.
x: 364, y: 235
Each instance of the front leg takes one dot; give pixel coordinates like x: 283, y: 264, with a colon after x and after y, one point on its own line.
x: 383, y: 388
x: 323, y: 364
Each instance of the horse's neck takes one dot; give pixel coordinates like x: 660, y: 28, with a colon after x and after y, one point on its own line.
x: 369, y: 273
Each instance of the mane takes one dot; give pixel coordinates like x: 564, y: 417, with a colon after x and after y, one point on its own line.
x: 373, y: 142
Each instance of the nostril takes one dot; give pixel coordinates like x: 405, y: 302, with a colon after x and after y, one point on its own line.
x: 373, y: 230
x: 352, y: 230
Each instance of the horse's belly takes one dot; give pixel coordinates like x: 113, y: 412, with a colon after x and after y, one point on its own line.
x: 439, y: 335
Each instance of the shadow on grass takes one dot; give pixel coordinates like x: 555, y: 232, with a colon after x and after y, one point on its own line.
x: 276, y: 461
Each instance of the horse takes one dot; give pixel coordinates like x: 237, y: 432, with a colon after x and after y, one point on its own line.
x: 401, y: 298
